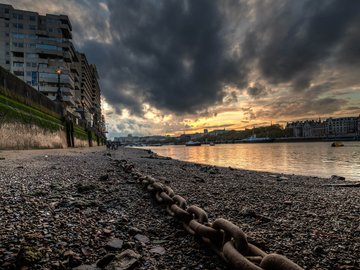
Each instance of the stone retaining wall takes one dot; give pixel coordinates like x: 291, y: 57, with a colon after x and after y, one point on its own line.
x: 17, y: 135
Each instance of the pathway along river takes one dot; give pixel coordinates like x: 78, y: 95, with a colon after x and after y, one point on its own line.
x: 311, y: 158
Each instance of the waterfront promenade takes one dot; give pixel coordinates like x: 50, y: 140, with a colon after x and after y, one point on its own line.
x: 64, y: 208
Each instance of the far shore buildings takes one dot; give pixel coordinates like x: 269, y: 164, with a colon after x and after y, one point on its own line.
x: 331, y: 127
x: 36, y: 48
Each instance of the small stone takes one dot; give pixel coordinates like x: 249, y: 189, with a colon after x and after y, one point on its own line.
x: 29, y: 256
x: 336, y: 177
x: 85, y: 251
x: 86, y: 267
x: 134, y: 230
x: 107, y: 231
x: 69, y: 253
x: 125, y: 260
x: 159, y: 250
x: 104, y: 177
x: 142, y: 238
x: 115, y: 243
x: 104, y: 261
x: 318, y: 250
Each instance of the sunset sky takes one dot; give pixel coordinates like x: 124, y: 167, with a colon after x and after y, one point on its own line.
x: 173, y: 66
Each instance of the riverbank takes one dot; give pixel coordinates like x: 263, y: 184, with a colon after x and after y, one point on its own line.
x: 72, y: 207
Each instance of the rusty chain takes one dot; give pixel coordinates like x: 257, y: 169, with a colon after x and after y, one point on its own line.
x: 222, y: 236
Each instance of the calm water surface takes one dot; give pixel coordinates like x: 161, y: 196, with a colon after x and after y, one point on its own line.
x: 315, y: 159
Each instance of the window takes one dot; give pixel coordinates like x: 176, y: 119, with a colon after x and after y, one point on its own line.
x: 34, y: 76
x: 31, y: 45
x: 31, y: 55
x: 18, y: 16
x: 47, y: 47
x: 6, y: 34
x: 33, y: 64
x: 18, y: 35
x: 18, y: 44
x: 7, y: 11
x: 32, y: 27
x: 28, y: 73
x: 18, y: 25
x: 28, y: 64
x: 18, y: 64
x: 32, y: 18
x: 7, y: 62
x: 18, y: 54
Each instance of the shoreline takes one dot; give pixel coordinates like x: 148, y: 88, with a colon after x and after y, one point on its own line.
x: 78, y: 201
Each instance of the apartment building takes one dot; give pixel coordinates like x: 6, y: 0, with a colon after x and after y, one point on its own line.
x: 343, y: 126
x: 89, y: 94
x: 35, y: 47
x: 85, y: 89
x: 38, y: 50
x: 95, y: 97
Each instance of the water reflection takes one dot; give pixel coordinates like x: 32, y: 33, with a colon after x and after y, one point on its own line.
x: 316, y: 159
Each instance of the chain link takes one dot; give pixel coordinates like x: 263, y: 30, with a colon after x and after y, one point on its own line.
x: 224, y: 237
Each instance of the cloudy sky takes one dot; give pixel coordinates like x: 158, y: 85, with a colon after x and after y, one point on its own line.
x: 175, y: 66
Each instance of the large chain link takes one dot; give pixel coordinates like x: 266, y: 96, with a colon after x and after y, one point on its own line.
x: 223, y: 236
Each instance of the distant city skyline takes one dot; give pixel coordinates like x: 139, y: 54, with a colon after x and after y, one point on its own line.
x: 166, y: 67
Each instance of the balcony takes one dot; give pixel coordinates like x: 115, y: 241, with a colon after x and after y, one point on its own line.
x: 68, y: 100
x: 41, y: 32
x: 52, y: 89
x: 66, y: 31
x: 49, y: 52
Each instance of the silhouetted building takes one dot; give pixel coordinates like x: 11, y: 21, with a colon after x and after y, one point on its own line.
x: 330, y: 127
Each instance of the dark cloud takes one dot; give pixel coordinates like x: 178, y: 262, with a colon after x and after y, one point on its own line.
x: 171, y: 54
x: 293, y: 107
x: 249, y: 113
x: 179, y: 55
x: 257, y: 90
x: 292, y: 40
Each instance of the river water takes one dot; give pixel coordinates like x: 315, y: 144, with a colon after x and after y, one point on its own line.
x: 311, y: 158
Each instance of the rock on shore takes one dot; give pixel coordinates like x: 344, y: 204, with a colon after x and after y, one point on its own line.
x: 61, y: 209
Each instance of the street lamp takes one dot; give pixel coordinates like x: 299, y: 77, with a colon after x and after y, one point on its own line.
x: 58, y: 93
x: 38, y: 77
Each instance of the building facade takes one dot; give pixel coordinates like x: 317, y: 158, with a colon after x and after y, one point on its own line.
x: 38, y: 49
x: 34, y: 47
x: 343, y: 126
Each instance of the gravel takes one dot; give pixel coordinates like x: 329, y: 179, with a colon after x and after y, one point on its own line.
x: 61, y: 209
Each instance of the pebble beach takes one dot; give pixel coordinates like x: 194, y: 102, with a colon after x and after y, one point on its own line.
x: 74, y: 208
